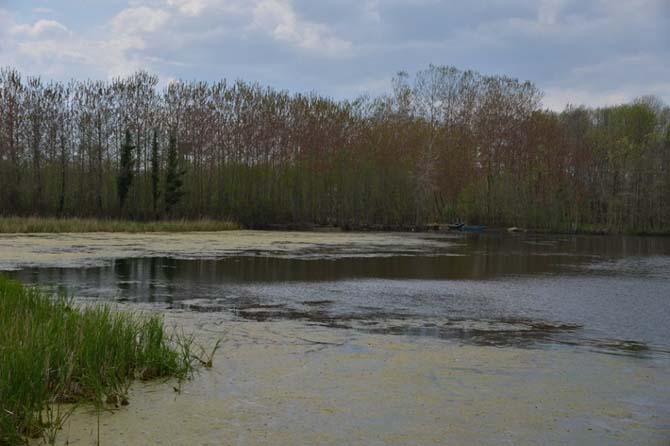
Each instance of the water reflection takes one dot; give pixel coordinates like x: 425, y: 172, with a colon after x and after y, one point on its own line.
x: 607, y: 293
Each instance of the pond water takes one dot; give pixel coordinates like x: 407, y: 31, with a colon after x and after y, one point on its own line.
x: 377, y: 339
x: 601, y: 293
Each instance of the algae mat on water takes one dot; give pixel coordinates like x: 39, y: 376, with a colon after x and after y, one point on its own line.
x: 288, y: 383
x: 95, y: 249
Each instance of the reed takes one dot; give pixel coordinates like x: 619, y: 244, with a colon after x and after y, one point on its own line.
x: 54, y: 354
x: 54, y: 225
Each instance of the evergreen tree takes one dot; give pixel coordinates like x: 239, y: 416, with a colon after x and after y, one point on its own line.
x: 125, y: 177
x: 155, y: 173
x: 173, y: 181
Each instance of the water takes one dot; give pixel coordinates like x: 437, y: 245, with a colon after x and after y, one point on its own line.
x: 605, y: 294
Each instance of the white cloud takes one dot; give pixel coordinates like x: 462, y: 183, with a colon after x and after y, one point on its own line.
x: 372, y: 11
x: 42, y: 10
x: 4, y: 17
x: 611, y: 81
x: 586, y: 87
x: 49, y: 48
x: 279, y: 18
x: 549, y: 11
x: 633, y: 10
x: 197, y: 7
x: 189, y: 7
x: 40, y: 28
x: 139, y: 20
x: 276, y: 18
x: 623, y: 66
x: 597, y: 52
x: 558, y: 98
x: 90, y: 56
x: 374, y: 86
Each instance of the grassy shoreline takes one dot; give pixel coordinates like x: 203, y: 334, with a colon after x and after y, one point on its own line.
x: 26, y: 225
x: 52, y: 225
x: 55, y: 355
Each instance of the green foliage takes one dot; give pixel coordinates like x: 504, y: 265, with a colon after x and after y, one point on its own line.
x: 446, y: 144
x: 54, y: 353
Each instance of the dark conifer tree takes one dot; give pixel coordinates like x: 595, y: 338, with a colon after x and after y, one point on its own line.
x: 173, y: 177
x: 155, y: 173
x: 125, y: 177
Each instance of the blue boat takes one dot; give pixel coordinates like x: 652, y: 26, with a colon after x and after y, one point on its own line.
x: 466, y: 228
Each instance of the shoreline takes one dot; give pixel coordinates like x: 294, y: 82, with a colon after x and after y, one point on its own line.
x: 39, y: 225
x: 53, y: 225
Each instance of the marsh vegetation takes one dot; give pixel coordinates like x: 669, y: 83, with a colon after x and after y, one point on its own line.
x: 34, y: 225
x: 54, y: 355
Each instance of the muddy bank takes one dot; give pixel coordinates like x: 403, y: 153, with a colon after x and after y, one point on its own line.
x: 96, y: 249
x: 291, y: 383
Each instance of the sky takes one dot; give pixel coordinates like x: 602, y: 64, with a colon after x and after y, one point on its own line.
x: 580, y: 52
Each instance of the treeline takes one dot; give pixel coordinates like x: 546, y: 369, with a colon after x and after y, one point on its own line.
x: 445, y: 145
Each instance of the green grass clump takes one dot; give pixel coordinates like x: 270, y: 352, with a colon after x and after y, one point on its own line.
x: 25, y: 225
x: 53, y: 353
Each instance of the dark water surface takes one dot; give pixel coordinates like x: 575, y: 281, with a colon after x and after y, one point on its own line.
x: 609, y: 294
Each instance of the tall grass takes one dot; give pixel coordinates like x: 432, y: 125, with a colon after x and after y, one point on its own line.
x: 52, y: 352
x: 53, y: 225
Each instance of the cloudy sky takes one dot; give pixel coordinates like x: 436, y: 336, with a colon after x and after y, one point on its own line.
x: 590, y: 52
